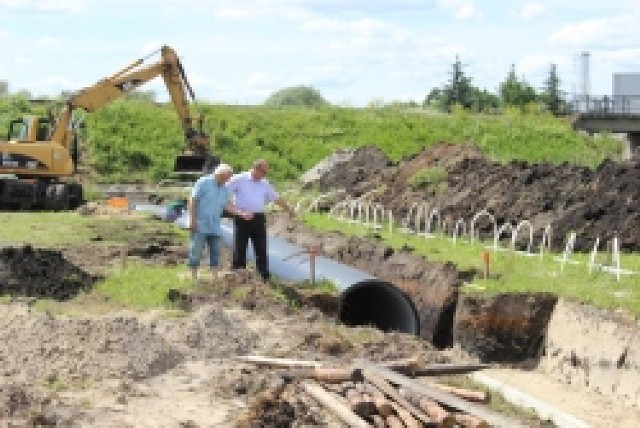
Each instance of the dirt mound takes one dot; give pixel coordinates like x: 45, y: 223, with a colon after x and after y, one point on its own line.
x: 23, y: 405
x: 592, y: 203
x: 32, y: 272
x: 358, y: 172
x: 38, y: 347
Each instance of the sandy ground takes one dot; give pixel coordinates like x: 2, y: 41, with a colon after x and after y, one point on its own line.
x: 594, y: 409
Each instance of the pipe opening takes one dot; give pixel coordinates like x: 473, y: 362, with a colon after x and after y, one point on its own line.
x: 379, y: 304
x: 443, y: 334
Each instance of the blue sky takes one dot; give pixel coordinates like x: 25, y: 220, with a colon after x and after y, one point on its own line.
x: 353, y: 51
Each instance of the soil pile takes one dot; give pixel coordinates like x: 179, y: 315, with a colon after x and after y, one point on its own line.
x: 459, y: 182
x: 34, y: 272
x: 38, y: 347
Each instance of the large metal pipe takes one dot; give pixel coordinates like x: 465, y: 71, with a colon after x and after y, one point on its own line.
x: 364, y: 299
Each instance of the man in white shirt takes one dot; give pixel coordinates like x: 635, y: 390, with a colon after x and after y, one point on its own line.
x: 252, y: 194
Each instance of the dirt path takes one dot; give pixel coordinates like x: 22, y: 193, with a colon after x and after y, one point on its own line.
x: 594, y: 409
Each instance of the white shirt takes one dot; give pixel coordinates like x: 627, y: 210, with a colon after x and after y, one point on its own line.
x: 251, y: 195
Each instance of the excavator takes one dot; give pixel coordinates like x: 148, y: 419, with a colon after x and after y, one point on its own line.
x: 40, y: 157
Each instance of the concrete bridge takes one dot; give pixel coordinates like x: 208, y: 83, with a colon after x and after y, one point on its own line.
x: 617, y: 115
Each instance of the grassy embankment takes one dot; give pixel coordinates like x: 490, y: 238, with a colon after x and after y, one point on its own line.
x: 136, y: 140
x: 514, y: 272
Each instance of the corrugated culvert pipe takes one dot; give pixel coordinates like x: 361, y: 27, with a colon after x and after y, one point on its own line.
x: 364, y: 299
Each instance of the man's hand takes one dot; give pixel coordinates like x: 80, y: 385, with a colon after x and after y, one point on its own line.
x: 245, y: 215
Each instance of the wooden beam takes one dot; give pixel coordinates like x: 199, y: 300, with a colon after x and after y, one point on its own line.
x: 388, y: 390
x: 469, y: 395
x: 332, y: 403
x: 450, y: 400
x: 261, y: 361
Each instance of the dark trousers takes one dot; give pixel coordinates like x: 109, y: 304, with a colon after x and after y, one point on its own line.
x: 256, y: 230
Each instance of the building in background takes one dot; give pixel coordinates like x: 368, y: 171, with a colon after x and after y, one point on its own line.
x: 626, y: 93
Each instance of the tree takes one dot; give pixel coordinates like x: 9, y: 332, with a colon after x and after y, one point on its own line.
x: 142, y: 96
x: 552, y: 97
x: 296, y: 96
x: 458, y: 90
x: 483, y: 100
x: 515, y: 92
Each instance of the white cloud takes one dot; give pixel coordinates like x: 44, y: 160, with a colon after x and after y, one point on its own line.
x: 463, y: 10
x: 611, y: 31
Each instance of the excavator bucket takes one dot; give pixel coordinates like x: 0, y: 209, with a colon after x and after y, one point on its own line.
x: 190, y: 164
x: 194, y: 164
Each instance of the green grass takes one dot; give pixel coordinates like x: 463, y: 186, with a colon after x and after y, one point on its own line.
x: 511, y: 272
x: 44, y: 228
x: 141, y: 286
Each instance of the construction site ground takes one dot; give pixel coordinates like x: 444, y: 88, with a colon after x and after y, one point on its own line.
x: 71, y: 356
x: 90, y: 362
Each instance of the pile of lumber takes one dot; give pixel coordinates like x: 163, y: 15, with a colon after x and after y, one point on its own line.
x: 388, y: 394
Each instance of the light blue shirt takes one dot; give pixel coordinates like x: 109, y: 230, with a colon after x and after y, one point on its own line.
x: 251, y: 195
x: 210, y: 199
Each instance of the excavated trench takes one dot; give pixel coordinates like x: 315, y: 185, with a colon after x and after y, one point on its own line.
x: 507, y: 328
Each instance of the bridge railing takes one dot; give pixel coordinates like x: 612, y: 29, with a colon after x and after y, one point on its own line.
x: 607, y: 105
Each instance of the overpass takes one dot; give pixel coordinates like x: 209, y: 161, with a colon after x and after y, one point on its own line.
x: 614, y: 114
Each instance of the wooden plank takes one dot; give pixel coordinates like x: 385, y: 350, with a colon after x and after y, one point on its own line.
x: 438, y: 413
x: 449, y: 369
x: 469, y: 395
x: 324, y: 374
x: 448, y: 399
x: 394, y: 422
x: 468, y: 421
x: 277, y: 362
x: 405, y: 416
x: 332, y: 403
x: 388, y: 390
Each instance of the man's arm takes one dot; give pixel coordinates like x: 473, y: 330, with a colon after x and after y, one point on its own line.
x: 285, y: 206
x: 236, y: 211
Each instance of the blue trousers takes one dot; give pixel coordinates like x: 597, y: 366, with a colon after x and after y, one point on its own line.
x: 197, y: 241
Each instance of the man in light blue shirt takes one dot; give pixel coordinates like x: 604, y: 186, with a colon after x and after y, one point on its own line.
x: 209, y: 197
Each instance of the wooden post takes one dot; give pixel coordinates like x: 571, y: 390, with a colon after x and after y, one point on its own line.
x: 123, y: 255
x: 313, y: 251
x: 486, y: 259
x: 331, y: 402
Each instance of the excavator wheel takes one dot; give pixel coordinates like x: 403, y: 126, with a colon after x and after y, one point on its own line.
x: 75, y: 195
x: 57, y: 197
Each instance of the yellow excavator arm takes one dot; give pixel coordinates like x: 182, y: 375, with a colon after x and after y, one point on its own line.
x: 196, y: 156
x: 42, y: 152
